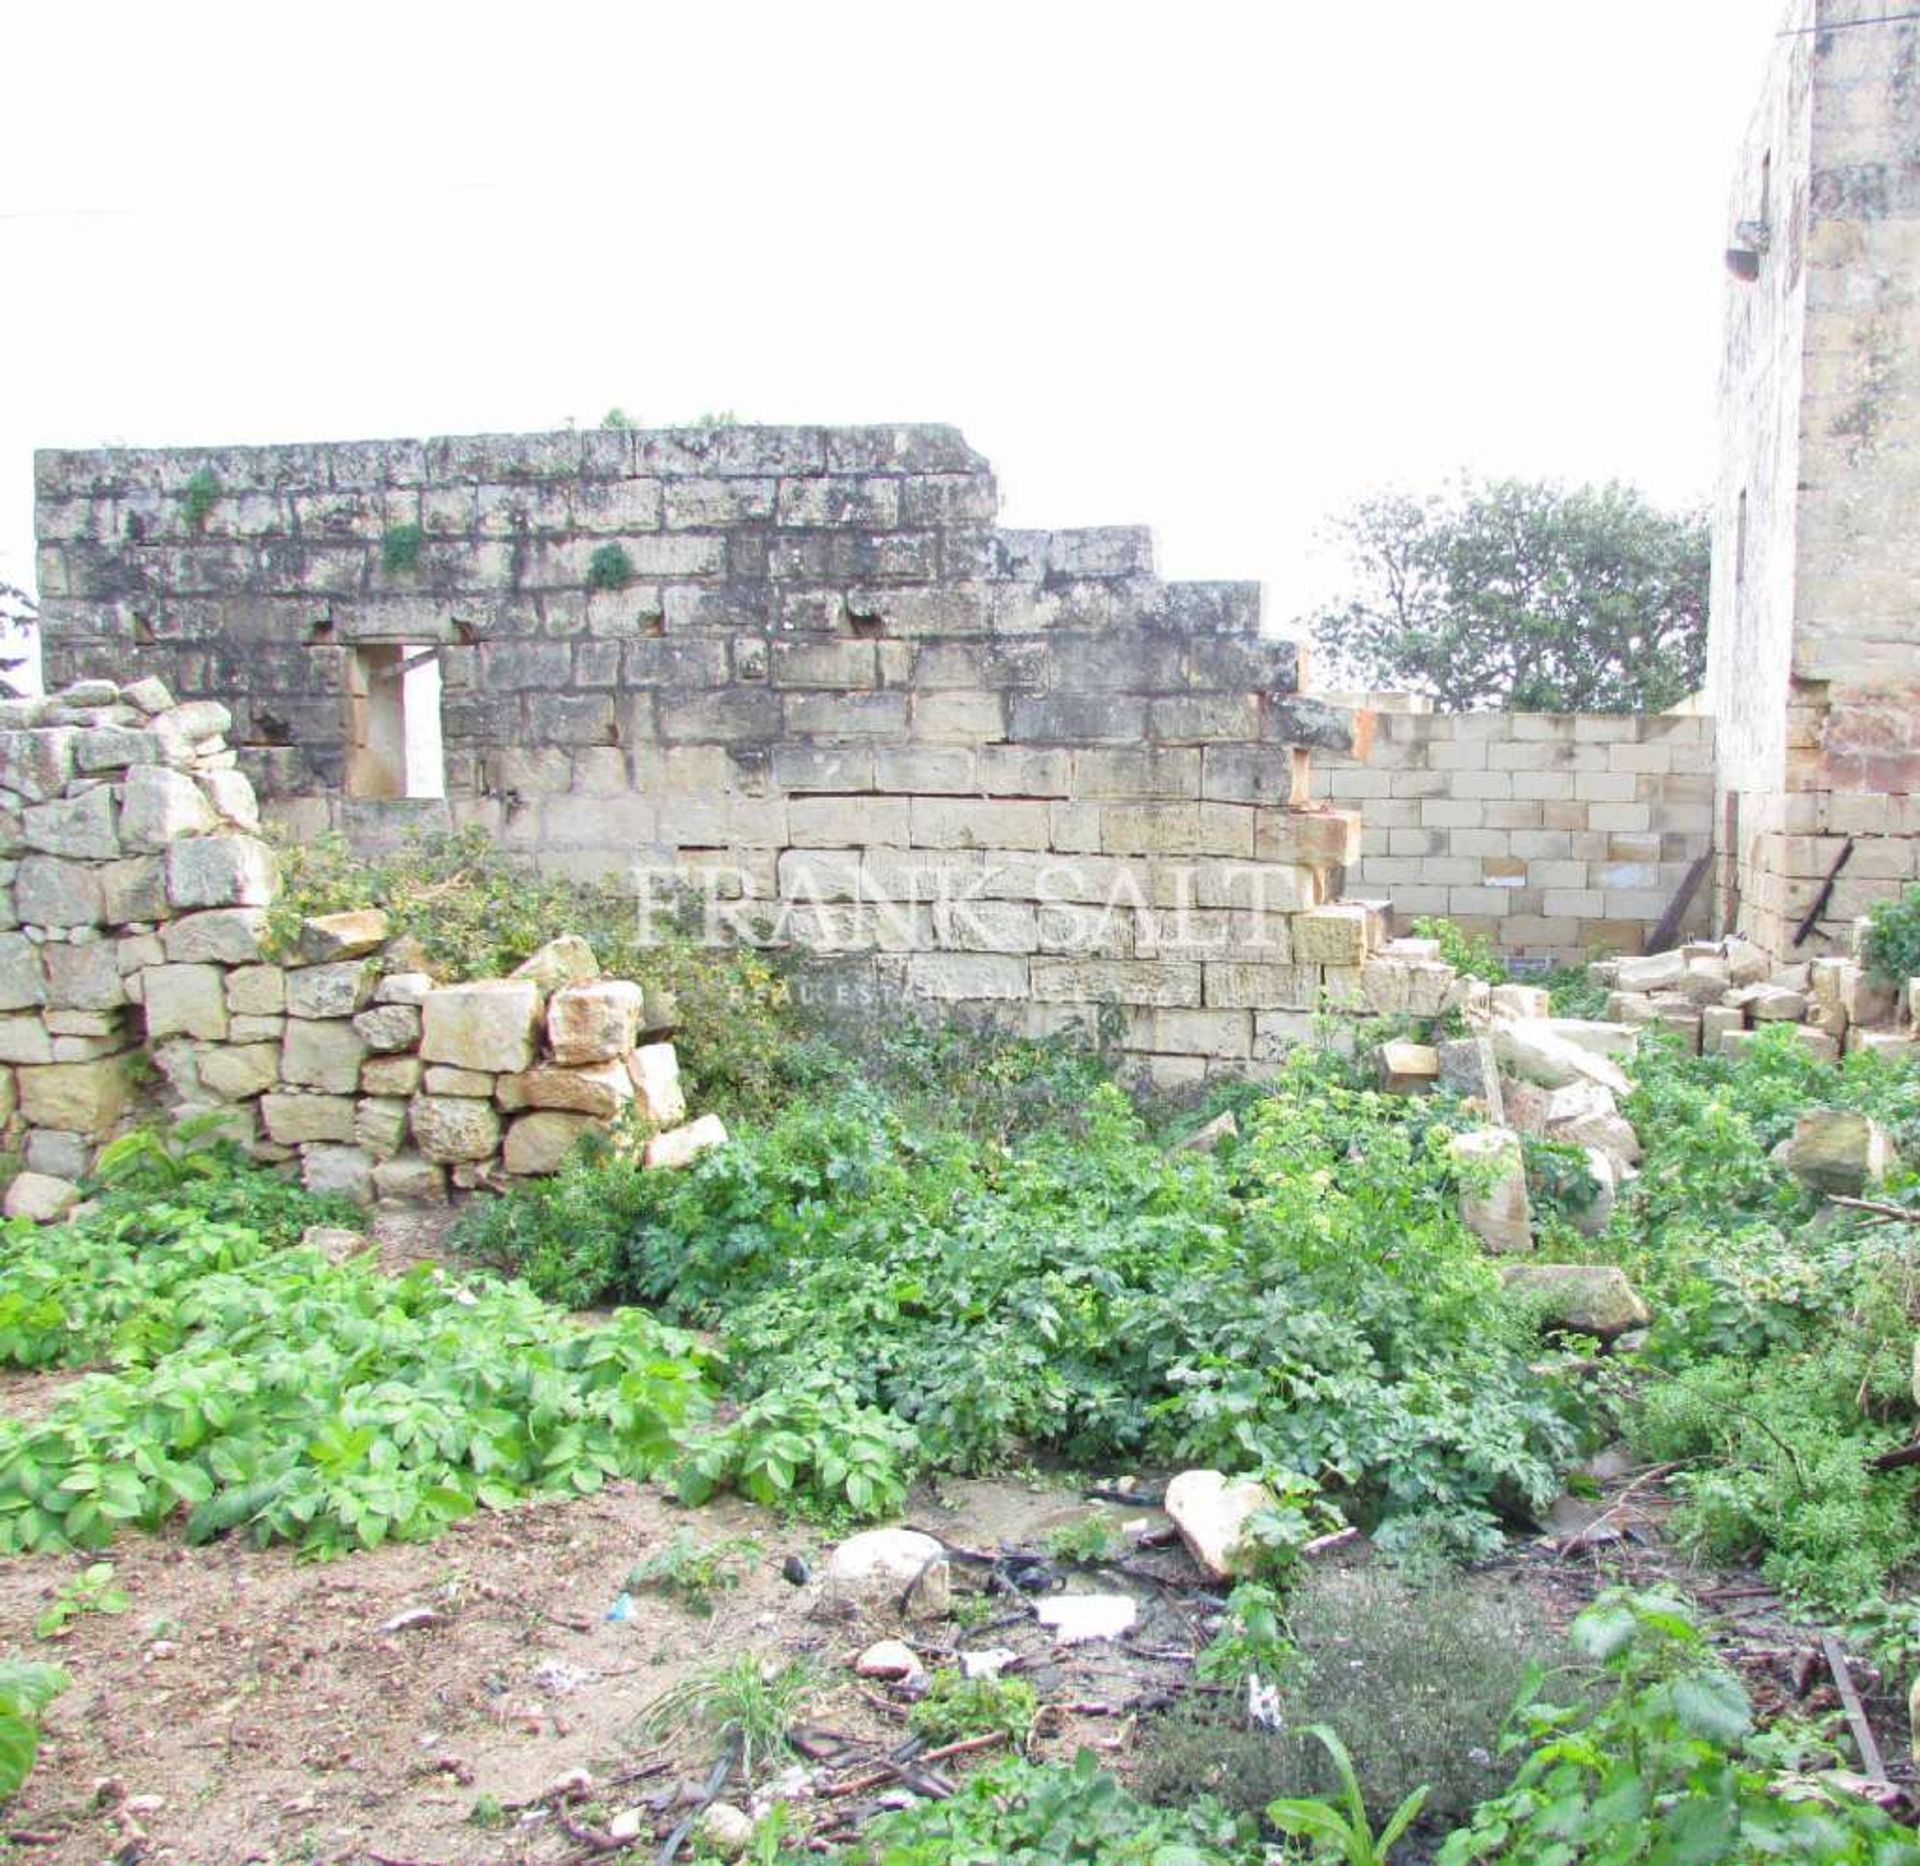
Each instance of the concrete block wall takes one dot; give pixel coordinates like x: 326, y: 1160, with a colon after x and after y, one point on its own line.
x: 1556, y: 835
x: 1008, y: 770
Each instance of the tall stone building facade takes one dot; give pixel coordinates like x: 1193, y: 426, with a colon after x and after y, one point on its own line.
x: 1814, y: 667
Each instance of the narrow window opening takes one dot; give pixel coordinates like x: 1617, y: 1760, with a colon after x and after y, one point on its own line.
x: 1740, y: 541
x: 393, y: 703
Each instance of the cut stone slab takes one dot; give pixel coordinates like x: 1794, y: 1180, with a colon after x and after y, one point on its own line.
x: 81, y: 828
x: 221, y: 871
x: 895, y: 1565
x: 1076, y: 1618
x: 1498, y: 1213
x: 681, y: 1146
x: 295, y: 1120
x: 1521, y: 1001
x: 567, y: 960
x: 1409, y: 1068
x: 452, y: 1128
x: 407, y: 1179
x: 1652, y: 973
x: 595, y: 1022
x: 159, y: 806
x: 81, y: 1098
x: 540, y: 1143
x: 488, y: 1025
x: 219, y: 936
x: 602, y: 1090
x: 1531, y: 1048
x: 1579, y: 1298
x: 322, y: 1054
x: 655, y: 1070
x: 40, y: 1196
x: 326, y: 938
x: 1211, y: 1512
x: 1836, y: 1150
x: 185, y: 1000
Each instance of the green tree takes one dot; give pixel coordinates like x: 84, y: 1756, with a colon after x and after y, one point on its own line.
x: 1522, y: 594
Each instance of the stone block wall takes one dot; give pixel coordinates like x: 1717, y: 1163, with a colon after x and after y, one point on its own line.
x: 799, y: 668
x: 134, y: 897
x: 1556, y: 835
x: 1814, y: 669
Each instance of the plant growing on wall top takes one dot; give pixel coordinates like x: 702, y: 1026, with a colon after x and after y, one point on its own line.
x: 197, y: 501
x: 400, y: 548
x: 610, y: 568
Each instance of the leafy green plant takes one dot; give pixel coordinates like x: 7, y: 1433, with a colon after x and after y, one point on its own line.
x: 617, y: 417
x: 610, y: 568
x: 198, y: 498
x: 26, y: 1689
x: 956, y: 1707
x: 401, y: 547
x: 1890, y: 946
x: 1254, y: 1643
x: 1658, y: 1768
x: 694, y: 1572
x: 748, y: 1705
x: 90, y: 1591
x: 1089, y: 1539
x: 1344, y: 1832
x: 1469, y: 953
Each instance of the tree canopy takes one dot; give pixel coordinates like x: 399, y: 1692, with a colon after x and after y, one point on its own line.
x: 1521, y: 594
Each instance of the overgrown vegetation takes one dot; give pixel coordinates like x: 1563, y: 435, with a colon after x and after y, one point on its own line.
x: 1890, y: 948
x: 26, y: 1689
x: 401, y: 547
x: 610, y: 568
x: 198, y: 498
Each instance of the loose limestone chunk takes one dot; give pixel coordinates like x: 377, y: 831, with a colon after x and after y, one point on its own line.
x: 594, y: 1023
x: 454, y: 1128
x: 1408, y: 1068
x: 1533, y: 1049
x: 488, y: 1025
x: 1211, y: 1514
x: 39, y: 1196
x: 1496, y: 1211
x: 602, y: 1090
x: 655, y: 1069
x: 567, y: 960
x: 892, y: 1565
x: 159, y: 806
x: 1581, y: 1298
x: 540, y: 1143
x: 327, y: 938
x: 1836, y: 1150
x: 681, y: 1146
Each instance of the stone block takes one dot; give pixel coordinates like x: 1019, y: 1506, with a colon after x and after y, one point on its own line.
x: 681, y: 1146
x: 443, y: 1079
x: 407, y: 1179
x: 80, y: 828
x: 43, y: 1197
x: 1469, y: 1069
x: 1409, y: 1068
x: 337, y: 990
x: 599, y: 1089
x: 1493, y: 1201
x: 80, y: 1098
x: 326, y: 939
x: 231, y: 794
x: 257, y: 990
x: 37, y: 764
x: 159, y: 806
x: 343, y: 1171
x: 185, y: 1000
x: 60, y: 1156
x: 322, y: 1054
x: 1579, y: 1298
x: 294, y: 1120
x: 1837, y: 1150
x: 134, y: 888
x: 655, y: 1068
x: 1336, y: 935
x: 22, y: 981
x: 24, y: 1038
x: 540, y: 1143
x: 52, y: 892
x: 1312, y: 838
x: 391, y: 1075
x: 113, y: 748
x: 380, y: 1125
x: 389, y: 1028
x: 453, y: 1128
x: 239, y: 1071
x: 595, y: 1022
x: 218, y: 936
x: 488, y: 1025
x: 82, y: 977
x: 221, y: 871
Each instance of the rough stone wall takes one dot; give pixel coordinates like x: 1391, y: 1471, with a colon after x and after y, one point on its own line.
x: 134, y: 897
x: 1814, y: 675
x: 1001, y: 769
x: 1556, y: 835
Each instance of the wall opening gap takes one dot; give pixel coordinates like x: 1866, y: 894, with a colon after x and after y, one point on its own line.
x: 394, y: 745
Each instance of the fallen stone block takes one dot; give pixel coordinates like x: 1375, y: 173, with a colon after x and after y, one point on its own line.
x: 43, y: 1197
x: 1493, y: 1203
x: 681, y: 1146
x: 325, y: 939
x: 1533, y: 1049
x: 1579, y: 1298
x: 655, y: 1070
x: 1211, y: 1512
x: 1470, y: 1070
x: 1837, y: 1150
x: 1202, y: 1140
x: 1409, y: 1068
x: 894, y: 1567
x: 1650, y: 973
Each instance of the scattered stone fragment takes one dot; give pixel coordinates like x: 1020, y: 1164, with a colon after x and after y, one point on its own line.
x: 1494, y: 1204
x: 887, y: 1563
x: 567, y: 960
x: 655, y: 1070
x: 39, y: 1196
x: 1836, y: 1150
x: 681, y: 1146
x: 1532, y: 1048
x: 888, y: 1658
x: 1078, y: 1617
x: 1211, y: 1511
x: 725, y: 1830
x: 1579, y: 1298
x: 1207, y: 1139
x: 1408, y: 1068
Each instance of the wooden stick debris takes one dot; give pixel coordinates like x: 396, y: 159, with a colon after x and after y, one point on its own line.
x: 1871, y: 1761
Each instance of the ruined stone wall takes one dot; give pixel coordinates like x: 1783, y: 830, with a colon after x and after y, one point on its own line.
x: 1556, y: 835
x: 800, y: 667
x: 1815, y: 660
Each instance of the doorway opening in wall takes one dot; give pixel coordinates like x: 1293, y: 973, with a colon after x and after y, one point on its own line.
x: 393, y: 700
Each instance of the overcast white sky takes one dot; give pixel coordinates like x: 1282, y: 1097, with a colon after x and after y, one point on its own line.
x: 1211, y: 267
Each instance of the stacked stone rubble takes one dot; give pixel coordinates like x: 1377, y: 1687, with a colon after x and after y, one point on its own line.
x: 135, y: 909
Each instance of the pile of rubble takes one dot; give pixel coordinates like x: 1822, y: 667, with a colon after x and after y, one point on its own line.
x: 1718, y: 994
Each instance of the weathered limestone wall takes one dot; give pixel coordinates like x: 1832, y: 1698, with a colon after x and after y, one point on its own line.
x: 1007, y: 770
x: 1556, y: 835
x: 1815, y: 660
